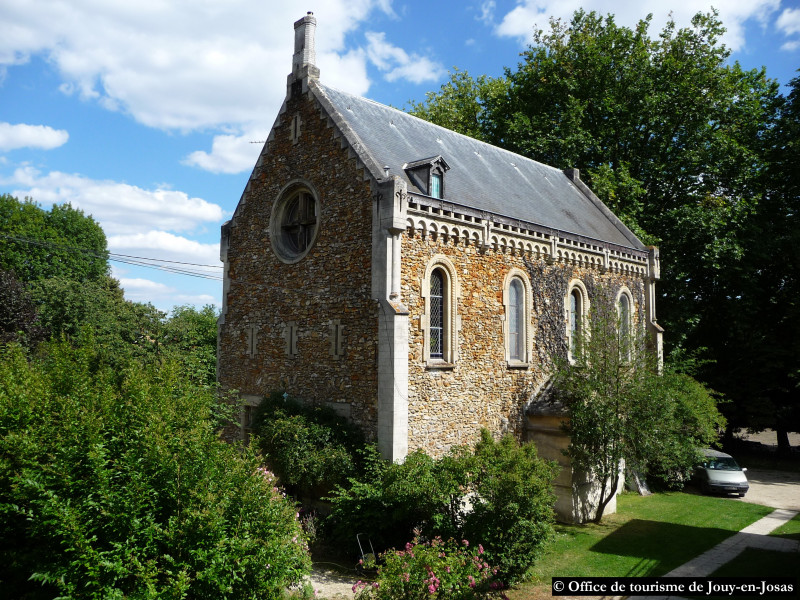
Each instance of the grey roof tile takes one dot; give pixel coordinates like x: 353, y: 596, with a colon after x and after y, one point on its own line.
x: 481, y: 176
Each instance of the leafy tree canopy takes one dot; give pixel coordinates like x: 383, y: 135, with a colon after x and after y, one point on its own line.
x: 620, y: 407
x: 39, y: 244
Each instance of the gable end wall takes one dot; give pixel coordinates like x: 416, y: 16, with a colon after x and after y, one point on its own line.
x: 333, y: 282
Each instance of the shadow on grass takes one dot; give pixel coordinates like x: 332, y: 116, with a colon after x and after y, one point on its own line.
x: 659, y: 547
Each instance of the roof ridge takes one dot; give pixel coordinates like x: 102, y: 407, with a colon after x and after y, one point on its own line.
x: 436, y: 125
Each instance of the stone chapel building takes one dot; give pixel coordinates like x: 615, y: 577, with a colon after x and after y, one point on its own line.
x: 414, y: 279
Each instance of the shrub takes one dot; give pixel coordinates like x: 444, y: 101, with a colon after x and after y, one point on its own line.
x: 117, y: 485
x: 500, y: 495
x: 390, y: 500
x: 434, y: 569
x: 310, y: 448
x: 512, y: 504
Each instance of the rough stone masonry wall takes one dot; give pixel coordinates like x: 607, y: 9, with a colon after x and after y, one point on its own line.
x: 449, y: 407
x: 332, y: 282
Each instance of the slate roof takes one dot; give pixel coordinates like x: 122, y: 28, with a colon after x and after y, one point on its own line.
x: 481, y: 176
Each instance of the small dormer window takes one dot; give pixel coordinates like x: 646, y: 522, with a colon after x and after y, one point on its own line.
x: 427, y: 175
x: 436, y: 185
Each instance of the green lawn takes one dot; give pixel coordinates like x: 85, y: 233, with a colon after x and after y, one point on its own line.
x: 649, y: 536
x: 790, y: 530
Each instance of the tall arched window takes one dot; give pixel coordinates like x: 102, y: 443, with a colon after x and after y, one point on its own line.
x: 575, y: 319
x: 440, y: 321
x: 436, y: 325
x: 624, y: 311
x: 516, y: 328
x: 516, y: 321
x: 577, y: 308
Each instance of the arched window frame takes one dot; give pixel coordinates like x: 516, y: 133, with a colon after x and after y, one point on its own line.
x: 525, y: 337
x: 576, y: 289
x: 625, y: 322
x: 284, y: 251
x: 451, y: 322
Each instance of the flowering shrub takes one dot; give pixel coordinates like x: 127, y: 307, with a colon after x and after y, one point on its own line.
x: 435, y: 569
x: 500, y: 494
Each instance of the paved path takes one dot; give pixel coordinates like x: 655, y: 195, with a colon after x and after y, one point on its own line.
x: 752, y: 536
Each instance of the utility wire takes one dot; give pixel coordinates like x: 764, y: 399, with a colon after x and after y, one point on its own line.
x: 169, y: 266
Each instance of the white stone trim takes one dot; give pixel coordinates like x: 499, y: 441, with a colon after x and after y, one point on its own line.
x: 494, y: 233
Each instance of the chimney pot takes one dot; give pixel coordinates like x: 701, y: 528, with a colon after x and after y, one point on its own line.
x: 304, y: 50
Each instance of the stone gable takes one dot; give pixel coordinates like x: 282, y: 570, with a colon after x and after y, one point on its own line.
x: 331, y: 283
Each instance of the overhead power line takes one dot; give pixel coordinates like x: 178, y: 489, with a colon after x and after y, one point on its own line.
x: 160, y: 264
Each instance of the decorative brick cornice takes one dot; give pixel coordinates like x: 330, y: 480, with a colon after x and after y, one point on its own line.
x: 429, y: 216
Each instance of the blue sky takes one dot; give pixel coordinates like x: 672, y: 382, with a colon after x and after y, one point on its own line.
x: 144, y: 114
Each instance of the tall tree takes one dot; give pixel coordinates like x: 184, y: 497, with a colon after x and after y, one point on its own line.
x: 19, y: 321
x: 621, y: 408
x: 760, y: 369
x: 62, y: 242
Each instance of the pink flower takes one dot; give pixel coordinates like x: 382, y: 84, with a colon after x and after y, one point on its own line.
x: 432, y: 589
x: 466, y: 543
x: 471, y: 581
x: 480, y: 548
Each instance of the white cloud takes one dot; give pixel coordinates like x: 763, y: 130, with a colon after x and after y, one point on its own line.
x: 183, y: 64
x: 229, y: 153
x: 162, y: 296
x: 167, y: 246
x: 17, y: 136
x: 118, y: 207
x: 529, y: 15
x: 487, y: 11
x: 789, y: 21
x: 396, y: 63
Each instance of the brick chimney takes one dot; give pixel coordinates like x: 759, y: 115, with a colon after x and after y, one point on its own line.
x: 304, y: 59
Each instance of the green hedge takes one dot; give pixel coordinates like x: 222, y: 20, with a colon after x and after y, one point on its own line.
x: 117, y: 485
x: 310, y: 448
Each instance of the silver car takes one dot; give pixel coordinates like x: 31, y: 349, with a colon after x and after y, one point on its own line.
x: 719, y: 474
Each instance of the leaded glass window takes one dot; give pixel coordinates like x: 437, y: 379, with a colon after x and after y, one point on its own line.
x: 436, y: 319
x: 575, y: 316
x: 299, y: 222
x: 624, y: 308
x: 624, y: 311
x: 516, y: 320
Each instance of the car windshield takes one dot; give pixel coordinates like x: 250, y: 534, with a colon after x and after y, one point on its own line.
x: 723, y: 463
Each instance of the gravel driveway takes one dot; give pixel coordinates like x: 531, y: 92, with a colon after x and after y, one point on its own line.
x: 778, y: 489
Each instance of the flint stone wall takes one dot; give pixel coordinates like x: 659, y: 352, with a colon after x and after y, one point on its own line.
x: 332, y: 282
x: 448, y: 407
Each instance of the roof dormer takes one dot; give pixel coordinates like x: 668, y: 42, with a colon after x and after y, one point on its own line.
x: 428, y: 175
